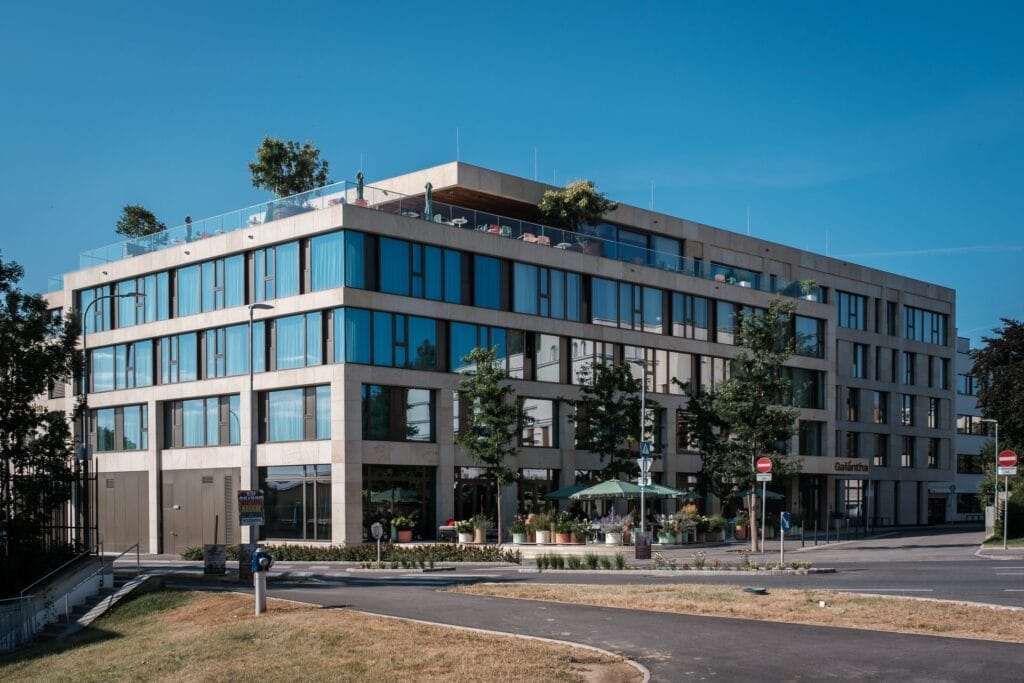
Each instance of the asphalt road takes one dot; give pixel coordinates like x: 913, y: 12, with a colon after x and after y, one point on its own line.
x: 923, y: 564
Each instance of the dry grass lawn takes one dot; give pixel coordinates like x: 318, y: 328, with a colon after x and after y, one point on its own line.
x: 187, y: 636
x: 783, y: 605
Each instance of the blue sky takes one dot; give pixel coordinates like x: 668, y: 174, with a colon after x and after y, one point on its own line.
x: 890, y: 131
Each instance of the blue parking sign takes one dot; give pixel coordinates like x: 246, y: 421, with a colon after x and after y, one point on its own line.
x: 786, y: 519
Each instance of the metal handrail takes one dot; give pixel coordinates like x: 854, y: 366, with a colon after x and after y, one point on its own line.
x: 138, y: 563
x: 91, y: 551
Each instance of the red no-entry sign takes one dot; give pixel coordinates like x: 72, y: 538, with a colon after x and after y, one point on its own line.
x: 1007, y: 459
x: 764, y: 465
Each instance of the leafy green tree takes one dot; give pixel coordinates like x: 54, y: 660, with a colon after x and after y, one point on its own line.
x: 492, y: 420
x: 577, y: 204
x: 138, y: 221
x: 744, y: 418
x: 607, y: 415
x: 36, y: 448
x: 285, y: 168
x: 999, y: 370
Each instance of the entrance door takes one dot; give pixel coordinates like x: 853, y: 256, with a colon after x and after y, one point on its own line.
x: 936, y: 510
x: 199, y: 506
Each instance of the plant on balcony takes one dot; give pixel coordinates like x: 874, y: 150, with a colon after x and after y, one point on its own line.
x: 138, y: 221
x: 286, y: 169
x: 575, y: 205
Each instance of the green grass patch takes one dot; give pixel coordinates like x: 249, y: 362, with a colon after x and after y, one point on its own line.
x: 144, y: 606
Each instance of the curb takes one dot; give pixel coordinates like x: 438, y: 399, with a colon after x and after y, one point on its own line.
x: 684, y: 572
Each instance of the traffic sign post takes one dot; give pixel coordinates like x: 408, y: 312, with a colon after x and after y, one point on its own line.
x: 784, y: 526
x: 1006, y: 466
x: 642, y: 546
x: 764, y: 475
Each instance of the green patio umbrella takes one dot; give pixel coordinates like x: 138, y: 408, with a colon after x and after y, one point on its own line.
x: 566, y: 492
x: 613, y: 488
x: 771, y: 495
x: 669, y: 492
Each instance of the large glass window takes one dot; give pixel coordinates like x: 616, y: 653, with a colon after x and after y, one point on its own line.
x: 726, y: 322
x: 120, y: 429
x: 925, y: 326
x: 487, y: 287
x: 808, y: 337
x: 336, y: 259
x: 124, y: 366
x: 98, y: 318
x: 909, y: 368
x: 585, y: 353
x: 276, y: 271
x: 387, y: 339
x: 541, y: 428
x: 187, y: 294
x: 419, y: 270
x: 298, y: 502
x: 881, y: 456
x: 546, y: 291
x: 211, y: 421
x: 851, y: 310
x: 807, y: 387
x: 546, y: 357
x: 689, y: 316
x: 299, y: 341
x: 226, y: 353
x: 397, y: 413
x: 295, y: 414
x: 223, y: 283
x: 907, y: 410
x: 860, y: 361
x: 604, y: 302
x: 409, y: 491
x: 179, y: 361
x: 465, y: 337
x: 152, y: 306
x: 880, y: 407
x: 810, y: 438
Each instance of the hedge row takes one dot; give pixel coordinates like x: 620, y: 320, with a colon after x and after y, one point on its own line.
x: 442, y: 552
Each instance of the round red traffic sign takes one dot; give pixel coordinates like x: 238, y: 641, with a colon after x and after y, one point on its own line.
x: 764, y: 465
x: 1007, y: 459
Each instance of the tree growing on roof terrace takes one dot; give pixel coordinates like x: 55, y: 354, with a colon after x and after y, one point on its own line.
x: 286, y: 168
x: 577, y: 204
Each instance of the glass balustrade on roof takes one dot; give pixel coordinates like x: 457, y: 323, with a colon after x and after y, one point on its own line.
x: 378, y: 199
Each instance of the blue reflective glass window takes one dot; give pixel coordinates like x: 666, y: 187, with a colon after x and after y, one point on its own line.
x: 234, y: 422
x: 497, y: 341
x: 394, y: 266
x: 604, y: 298
x: 236, y: 339
x: 259, y: 347
x: 212, y: 409
x: 524, y: 293
x: 142, y: 353
x: 632, y: 246
x: 120, y: 366
x: 573, y: 291
x: 163, y: 296
x: 422, y: 343
x: 327, y: 261
x: 314, y: 340
x: 626, y: 305
x: 323, y: 412
x: 103, y: 369
x: 355, y: 273
x: 234, y: 281
x: 287, y: 263
x: 652, y: 310
x: 383, y: 343
x: 193, y: 423
x: 285, y: 415
x: 352, y: 336
x: 104, y: 429
x: 212, y: 278
x: 187, y: 286
x: 126, y: 308
x: 556, y: 295
x: 433, y: 272
x: 188, y: 361
x: 98, y: 318
x: 486, y: 282
x: 452, y: 276
x: 290, y: 342
x: 134, y: 432
x: 215, y: 357
x: 463, y: 340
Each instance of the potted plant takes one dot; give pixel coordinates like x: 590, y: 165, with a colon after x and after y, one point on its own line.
x: 541, y: 525
x: 612, y: 526
x: 563, y: 525
x: 575, y: 205
x: 287, y: 169
x: 716, y: 527
x: 667, y: 533
x: 580, y: 528
x: 809, y: 290
x: 464, y: 529
x: 481, y: 523
x: 404, y: 525
x: 518, y: 530
x: 741, y: 527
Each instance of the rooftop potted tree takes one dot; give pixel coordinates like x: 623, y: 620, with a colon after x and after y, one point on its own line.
x: 574, y: 206
x: 136, y: 222
x: 287, y: 169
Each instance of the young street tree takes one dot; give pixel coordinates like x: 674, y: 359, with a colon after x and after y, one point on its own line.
x: 285, y: 168
x: 138, y: 221
x: 744, y: 419
x: 607, y: 415
x: 999, y: 370
x: 577, y: 204
x: 492, y: 420
x: 36, y: 447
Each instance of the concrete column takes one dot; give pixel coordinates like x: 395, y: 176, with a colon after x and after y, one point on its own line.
x: 346, y: 460
x: 444, y: 493
x: 154, y: 464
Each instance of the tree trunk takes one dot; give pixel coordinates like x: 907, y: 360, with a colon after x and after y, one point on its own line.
x: 754, y: 528
x: 498, y: 499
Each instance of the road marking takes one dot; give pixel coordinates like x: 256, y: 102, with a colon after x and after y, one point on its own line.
x: 1009, y: 573
x: 877, y: 590
x: 1013, y: 590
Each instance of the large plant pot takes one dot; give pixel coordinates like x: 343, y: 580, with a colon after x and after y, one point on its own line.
x: 741, y: 533
x: 666, y: 537
x: 613, y: 538
x: 563, y: 538
x: 479, y: 535
x: 702, y: 537
x: 465, y: 537
x: 405, y: 535
x: 576, y: 538
x: 531, y: 536
x: 519, y: 539
x: 543, y: 537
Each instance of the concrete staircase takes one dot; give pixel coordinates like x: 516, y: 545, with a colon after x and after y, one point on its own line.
x: 84, y: 614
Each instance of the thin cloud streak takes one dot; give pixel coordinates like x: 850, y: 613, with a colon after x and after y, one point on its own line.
x: 940, y: 251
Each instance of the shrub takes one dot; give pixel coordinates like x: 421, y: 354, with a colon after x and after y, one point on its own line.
x: 591, y: 560
x: 574, y: 562
x: 620, y: 561
x: 605, y: 562
x: 367, y: 552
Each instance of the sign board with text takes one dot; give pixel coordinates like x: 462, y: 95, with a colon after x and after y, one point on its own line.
x: 764, y: 476
x: 250, y: 508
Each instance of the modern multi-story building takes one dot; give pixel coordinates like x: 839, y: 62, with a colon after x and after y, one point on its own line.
x: 373, y: 296
x: 972, y: 431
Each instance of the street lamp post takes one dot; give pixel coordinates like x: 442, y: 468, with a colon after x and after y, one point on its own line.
x: 1006, y: 492
x: 644, y: 465
x: 253, y: 472
x: 85, y: 387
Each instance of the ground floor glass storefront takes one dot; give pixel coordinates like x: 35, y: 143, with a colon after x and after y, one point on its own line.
x: 297, y: 503
x: 391, y: 491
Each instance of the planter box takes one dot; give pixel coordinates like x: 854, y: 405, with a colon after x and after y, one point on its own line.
x: 479, y: 535
x: 612, y: 538
x: 563, y: 539
x: 543, y: 537
x: 666, y: 538
x: 519, y: 539
x: 405, y: 535
x: 466, y: 537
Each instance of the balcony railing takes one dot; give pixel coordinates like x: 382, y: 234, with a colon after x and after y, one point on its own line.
x: 379, y: 199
